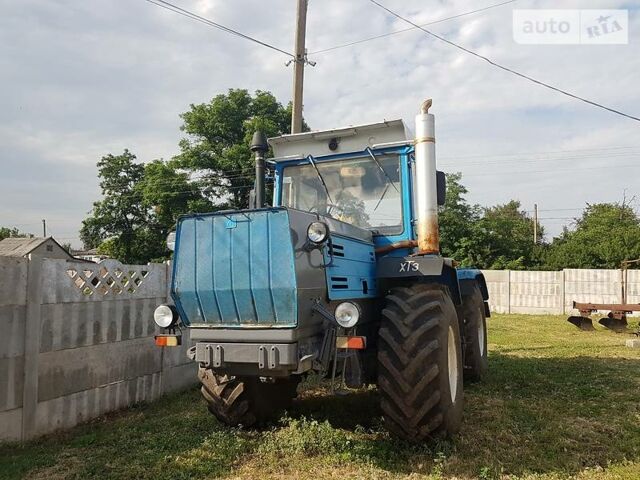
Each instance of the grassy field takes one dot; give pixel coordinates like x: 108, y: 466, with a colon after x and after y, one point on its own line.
x: 558, y: 403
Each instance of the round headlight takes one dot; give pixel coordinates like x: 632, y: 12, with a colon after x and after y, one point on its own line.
x: 347, y: 314
x: 165, y: 316
x: 317, y: 232
x: 171, y: 241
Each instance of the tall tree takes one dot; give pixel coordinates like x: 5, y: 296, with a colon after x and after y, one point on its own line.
x: 605, y: 235
x: 219, y: 134
x: 139, y: 207
x: 120, y: 213
x: 504, y: 238
x: 168, y: 193
x: 457, y: 219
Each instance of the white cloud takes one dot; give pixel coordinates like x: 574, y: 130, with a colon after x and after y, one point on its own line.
x: 82, y: 79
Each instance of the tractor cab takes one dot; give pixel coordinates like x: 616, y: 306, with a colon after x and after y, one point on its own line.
x: 360, y: 175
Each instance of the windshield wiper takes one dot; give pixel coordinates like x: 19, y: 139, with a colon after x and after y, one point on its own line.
x: 381, y: 198
x: 373, y: 157
x: 312, y: 162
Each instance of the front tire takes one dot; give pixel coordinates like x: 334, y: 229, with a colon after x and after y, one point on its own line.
x: 245, y: 401
x: 420, y: 363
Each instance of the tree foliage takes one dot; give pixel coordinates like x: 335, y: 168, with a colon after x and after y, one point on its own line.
x: 6, y: 232
x: 140, y: 205
x: 507, y: 237
x: 219, y: 134
x: 457, y: 219
x: 501, y: 237
x: 605, y: 235
x: 497, y: 237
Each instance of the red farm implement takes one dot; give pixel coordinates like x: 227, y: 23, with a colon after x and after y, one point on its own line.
x: 616, y: 318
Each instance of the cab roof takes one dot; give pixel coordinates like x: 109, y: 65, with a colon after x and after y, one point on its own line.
x: 354, y: 138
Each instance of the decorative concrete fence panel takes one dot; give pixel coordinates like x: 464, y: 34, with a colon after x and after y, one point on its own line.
x: 86, y: 338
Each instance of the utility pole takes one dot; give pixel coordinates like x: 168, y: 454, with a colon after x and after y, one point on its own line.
x: 298, y: 66
x: 535, y: 223
x: 44, y: 228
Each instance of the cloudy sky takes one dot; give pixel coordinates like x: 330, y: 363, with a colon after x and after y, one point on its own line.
x: 80, y: 79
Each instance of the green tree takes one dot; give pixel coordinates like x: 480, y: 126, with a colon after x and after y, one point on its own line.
x: 139, y: 207
x: 605, y: 235
x: 6, y: 232
x: 170, y: 193
x: 120, y: 214
x: 457, y: 219
x: 219, y: 134
x: 503, y: 238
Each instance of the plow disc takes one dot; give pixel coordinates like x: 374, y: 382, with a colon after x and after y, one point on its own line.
x: 618, y: 325
x: 616, y: 319
x: 583, y: 323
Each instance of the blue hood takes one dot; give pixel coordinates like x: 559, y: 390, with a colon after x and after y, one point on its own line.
x: 235, y: 270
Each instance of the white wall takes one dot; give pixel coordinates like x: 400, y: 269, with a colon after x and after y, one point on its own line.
x: 534, y: 292
x: 77, y: 342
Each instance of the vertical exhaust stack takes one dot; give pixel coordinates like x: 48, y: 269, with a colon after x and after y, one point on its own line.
x: 260, y: 147
x: 426, y: 185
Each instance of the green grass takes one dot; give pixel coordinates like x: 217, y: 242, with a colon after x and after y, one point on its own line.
x: 558, y: 403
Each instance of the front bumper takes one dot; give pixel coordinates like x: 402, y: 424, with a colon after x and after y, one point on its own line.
x: 268, y: 358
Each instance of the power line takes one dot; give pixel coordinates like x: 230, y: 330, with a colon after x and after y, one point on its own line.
x: 186, y: 13
x: 519, y: 154
x: 521, y: 161
x: 502, y: 67
x: 204, y: 181
x: 404, y: 30
x: 558, y: 210
x: 547, y: 171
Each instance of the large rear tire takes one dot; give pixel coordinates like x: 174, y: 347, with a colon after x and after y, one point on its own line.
x: 476, y: 362
x: 245, y: 401
x: 420, y: 363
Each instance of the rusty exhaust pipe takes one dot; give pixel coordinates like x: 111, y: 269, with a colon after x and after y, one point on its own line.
x: 426, y: 186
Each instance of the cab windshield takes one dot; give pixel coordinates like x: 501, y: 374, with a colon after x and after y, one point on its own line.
x: 363, y: 191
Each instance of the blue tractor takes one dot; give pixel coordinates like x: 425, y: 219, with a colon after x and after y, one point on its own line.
x: 341, y: 276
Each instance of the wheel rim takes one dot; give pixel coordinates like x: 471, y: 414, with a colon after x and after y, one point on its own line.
x: 481, y: 337
x: 452, y: 361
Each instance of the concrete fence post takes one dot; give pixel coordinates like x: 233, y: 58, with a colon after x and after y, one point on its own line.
x: 31, y: 347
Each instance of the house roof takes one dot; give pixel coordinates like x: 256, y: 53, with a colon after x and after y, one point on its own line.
x: 93, y: 251
x: 19, y: 247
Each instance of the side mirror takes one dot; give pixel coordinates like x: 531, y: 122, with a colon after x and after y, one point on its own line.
x: 441, y: 187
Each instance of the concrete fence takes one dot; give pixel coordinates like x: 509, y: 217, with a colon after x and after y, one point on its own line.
x: 76, y: 341
x: 554, y: 292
